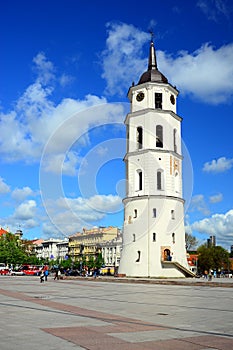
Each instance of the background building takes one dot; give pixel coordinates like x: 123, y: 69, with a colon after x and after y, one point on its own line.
x: 89, y: 243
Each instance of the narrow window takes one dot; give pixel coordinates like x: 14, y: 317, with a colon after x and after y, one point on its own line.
x: 177, y: 182
x: 173, y: 214
x: 139, y: 137
x: 159, y: 180
x: 159, y: 136
x: 139, y: 180
x: 139, y: 256
x: 158, y: 100
x: 173, y: 238
x: 134, y: 237
x: 154, y: 212
x: 154, y: 237
x: 174, y: 140
x: 135, y: 213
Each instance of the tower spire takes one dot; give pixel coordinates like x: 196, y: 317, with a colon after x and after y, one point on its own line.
x: 152, y: 74
x: 152, y: 63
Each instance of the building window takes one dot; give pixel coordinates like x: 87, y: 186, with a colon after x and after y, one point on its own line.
x: 159, y: 136
x: 159, y: 180
x: 173, y: 238
x: 135, y: 213
x: 177, y: 182
x: 158, y: 100
x: 174, y: 140
x: 173, y: 214
x: 154, y: 237
x: 134, y: 237
x: 139, y: 256
x: 154, y: 212
x: 139, y: 137
x: 139, y: 180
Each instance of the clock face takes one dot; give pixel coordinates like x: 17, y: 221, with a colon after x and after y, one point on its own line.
x: 140, y: 96
x: 172, y: 99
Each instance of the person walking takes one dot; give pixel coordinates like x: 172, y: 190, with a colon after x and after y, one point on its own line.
x: 46, y: 273
x: 42, y: 277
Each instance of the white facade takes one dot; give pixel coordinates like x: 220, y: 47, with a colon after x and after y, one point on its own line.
x: 49, y: 249
x: 111, y: 251
x: 153, y: 235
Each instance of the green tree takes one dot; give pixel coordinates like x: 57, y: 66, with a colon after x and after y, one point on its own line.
x: 99, y: 261
x: 11, y: 250
x: 212, y: 258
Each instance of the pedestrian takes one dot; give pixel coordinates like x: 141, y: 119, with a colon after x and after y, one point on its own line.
x: 42, y: 277
x: 46, y: 273
x: 56, y: 275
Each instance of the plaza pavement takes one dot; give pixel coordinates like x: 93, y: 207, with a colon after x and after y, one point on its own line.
x: 101, y: 314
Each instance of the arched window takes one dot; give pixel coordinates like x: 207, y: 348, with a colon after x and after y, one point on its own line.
x: 160, y: 180
x: 139, y: 180
x: 139, y: 137
x: 135, y: 213
x: 173, y: 214
x: 159, y: 136
x: 174, y: 140
x: 134, y: 237
x: 154, y: 213
x: 154, y: 237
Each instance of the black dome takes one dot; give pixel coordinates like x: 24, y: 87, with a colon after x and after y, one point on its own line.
x: 152, y: 74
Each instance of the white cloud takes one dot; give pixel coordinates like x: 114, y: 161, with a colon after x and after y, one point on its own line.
x: 25, y: 130
x: 216, y: 198
x: 25, y: 211
x: 198, y: 204
x: 69, y: 215
x: 123, y: 59
x: 219, y: 165
x: 20, y: 194
x: 205, y: 74
x: 44, y: 68
x: 4, y: 188
x: 65, y: 80
x: 219, y: 225
x: 214, y: 8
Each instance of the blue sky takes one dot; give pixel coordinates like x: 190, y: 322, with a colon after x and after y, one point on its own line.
x: 65, y: 69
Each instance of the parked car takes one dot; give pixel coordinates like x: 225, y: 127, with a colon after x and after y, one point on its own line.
x: 31, y: 270
x: 4, y: 271
x: 17, y: 272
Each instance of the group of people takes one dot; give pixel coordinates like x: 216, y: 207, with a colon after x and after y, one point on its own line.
x: 45, y: 272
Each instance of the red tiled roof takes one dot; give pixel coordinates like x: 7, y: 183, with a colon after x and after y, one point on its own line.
x: 2, y: 231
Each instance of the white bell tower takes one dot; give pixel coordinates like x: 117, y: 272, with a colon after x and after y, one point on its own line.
x: 153, y: 234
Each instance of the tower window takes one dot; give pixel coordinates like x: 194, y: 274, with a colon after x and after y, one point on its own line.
x: 159, y: 180
x: 139, y: 137
x: 174, y: 140
x: 154, y: 237
x: 154, y: 212
x: 135, y: 213
x: 159, y: 136
x: 173, y: 214
x: 139, y: 172
x: 158, y: 100
x: 139, y: 256
x: 134, y: 237
x: 173, y: 238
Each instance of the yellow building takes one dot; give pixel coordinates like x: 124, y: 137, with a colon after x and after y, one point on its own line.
x: 88, y: 243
